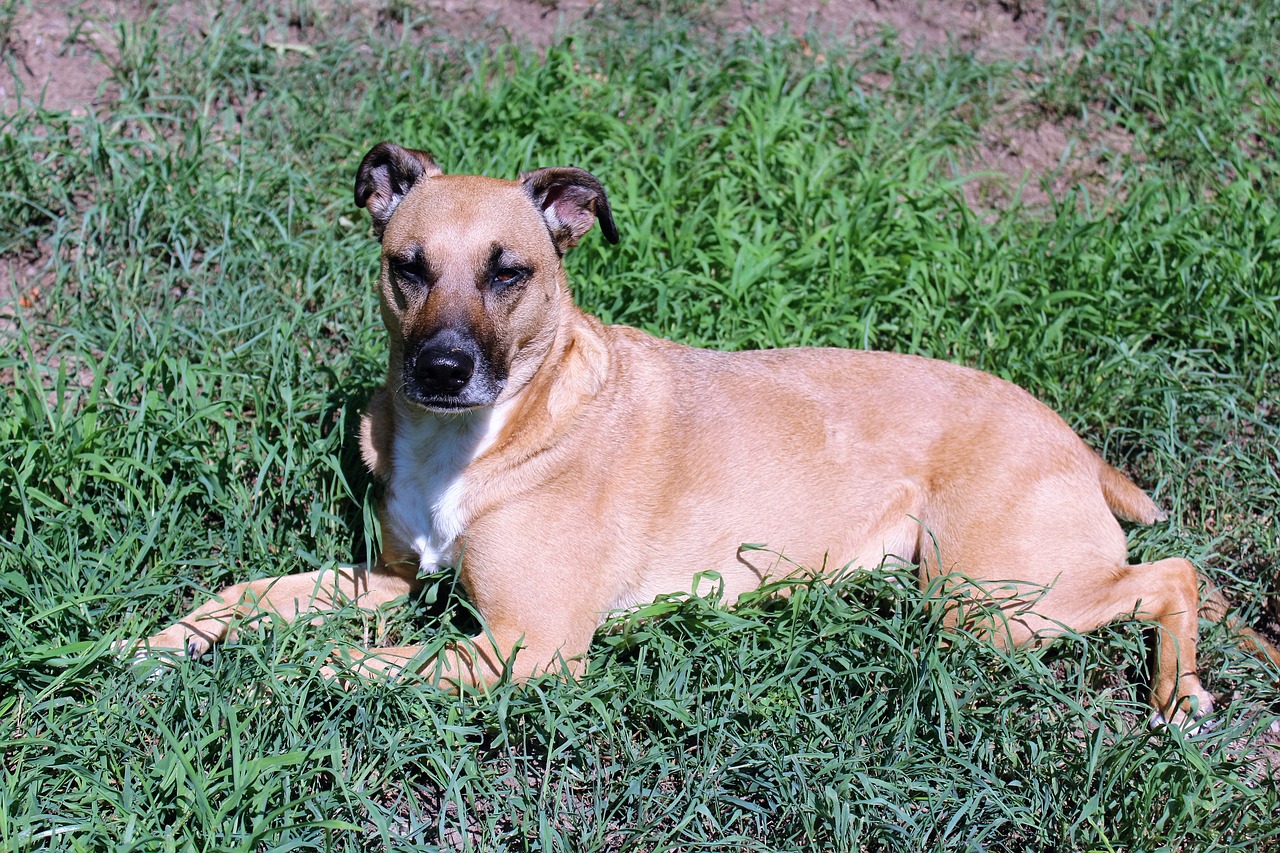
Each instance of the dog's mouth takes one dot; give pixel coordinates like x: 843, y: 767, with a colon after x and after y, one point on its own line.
x: 481, y: 391
x: 437, y: 404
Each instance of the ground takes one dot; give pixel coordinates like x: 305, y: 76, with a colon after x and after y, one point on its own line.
x: 60, y: 54
x: 174, y: 424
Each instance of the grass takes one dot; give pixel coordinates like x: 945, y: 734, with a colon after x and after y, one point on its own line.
x: 181, y: 407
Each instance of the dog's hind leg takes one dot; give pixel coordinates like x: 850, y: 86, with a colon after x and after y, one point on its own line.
x: 1165, y: 593
x: 288, y: 597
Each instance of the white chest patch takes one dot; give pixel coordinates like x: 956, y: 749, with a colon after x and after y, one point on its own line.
x: 430, y: 454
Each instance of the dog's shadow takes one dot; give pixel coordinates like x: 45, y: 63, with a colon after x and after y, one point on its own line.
x: 344, y: 407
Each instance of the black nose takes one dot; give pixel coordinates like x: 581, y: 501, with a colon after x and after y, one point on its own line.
x: 443, y: 371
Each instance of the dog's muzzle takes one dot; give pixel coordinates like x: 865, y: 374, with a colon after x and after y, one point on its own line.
x: 448, y: 371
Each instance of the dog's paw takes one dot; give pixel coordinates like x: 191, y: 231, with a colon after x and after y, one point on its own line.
x: 1188, y: 724
x: 173, y: 643
x: 144, y: 663
x: 1191, y: 717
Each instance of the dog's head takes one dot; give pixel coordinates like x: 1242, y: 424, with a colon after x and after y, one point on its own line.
x: 472, y: 281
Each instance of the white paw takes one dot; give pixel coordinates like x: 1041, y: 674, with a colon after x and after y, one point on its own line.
x: 1190, y: 720
x: 168, y: 646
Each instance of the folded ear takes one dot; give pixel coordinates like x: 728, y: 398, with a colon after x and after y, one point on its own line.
x: 385, y: 175
x: 570, y: 200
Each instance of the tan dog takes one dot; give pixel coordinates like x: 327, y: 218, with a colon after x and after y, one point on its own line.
x: 576, y: 468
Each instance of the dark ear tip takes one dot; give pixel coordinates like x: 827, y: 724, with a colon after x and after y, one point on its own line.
x: 604, y: 215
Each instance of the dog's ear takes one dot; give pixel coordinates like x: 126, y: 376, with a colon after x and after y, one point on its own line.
x: 385, y: 175
x: 570, y: 200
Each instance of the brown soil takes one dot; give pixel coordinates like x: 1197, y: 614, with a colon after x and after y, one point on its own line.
x: 59, y: 51
x: 55, y: 55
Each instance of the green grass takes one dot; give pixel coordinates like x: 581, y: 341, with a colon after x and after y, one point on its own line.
x: 182, y: 404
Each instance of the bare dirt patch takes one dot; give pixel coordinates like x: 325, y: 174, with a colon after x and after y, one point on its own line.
x: 54, y: 52
x: 59, y: 55
x: 1025, y: 156
x: 988, y: 28
x: 59, y: 52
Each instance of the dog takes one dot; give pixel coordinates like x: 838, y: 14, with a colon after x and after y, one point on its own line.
x: 570, y: 469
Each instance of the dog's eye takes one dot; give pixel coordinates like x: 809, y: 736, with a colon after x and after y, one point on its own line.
x: 505, y: 277
x: 409, y: 274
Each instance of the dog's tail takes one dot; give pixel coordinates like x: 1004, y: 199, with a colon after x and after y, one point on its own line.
x: 1124, y: 498
x: 1215, y: 607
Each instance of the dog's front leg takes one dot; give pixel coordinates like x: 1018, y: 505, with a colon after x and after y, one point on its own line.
x: 483, y: 662
x: 288, y: 597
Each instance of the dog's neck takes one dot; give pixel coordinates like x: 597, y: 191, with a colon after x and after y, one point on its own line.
x: 430, y: 496
x: 574, y: 371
